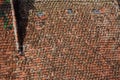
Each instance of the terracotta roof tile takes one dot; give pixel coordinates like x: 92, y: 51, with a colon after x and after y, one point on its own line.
x: 78, y: 46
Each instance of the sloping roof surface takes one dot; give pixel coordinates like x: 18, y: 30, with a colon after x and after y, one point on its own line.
x: 58, y: 45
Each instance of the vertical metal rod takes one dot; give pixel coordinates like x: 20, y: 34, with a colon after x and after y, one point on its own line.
x: 14, y: 25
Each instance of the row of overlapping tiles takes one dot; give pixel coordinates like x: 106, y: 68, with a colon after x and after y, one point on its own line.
x: 58, y: 47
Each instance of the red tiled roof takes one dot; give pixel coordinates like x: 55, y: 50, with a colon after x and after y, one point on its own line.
x: 77, y: 46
